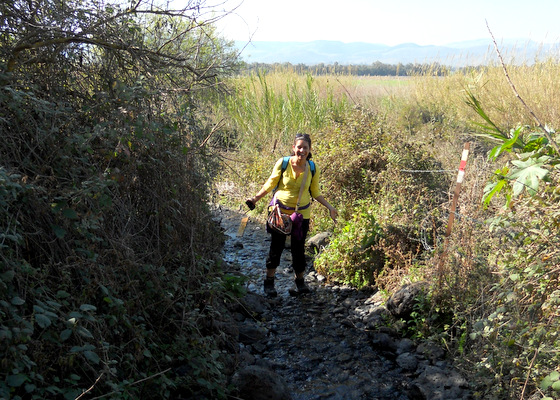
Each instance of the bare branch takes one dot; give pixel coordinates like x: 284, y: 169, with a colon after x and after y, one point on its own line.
x: 90, y: 388
x: 135, y: 383
x: 155, y: 56
x: 516, y: 93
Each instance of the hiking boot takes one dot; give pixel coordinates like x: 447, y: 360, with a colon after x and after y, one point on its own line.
x: 299, y: 288
x: 269, y: 289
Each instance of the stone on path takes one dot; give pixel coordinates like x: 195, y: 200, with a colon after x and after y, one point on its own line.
x: 402, y: 302
x: 259, y: 383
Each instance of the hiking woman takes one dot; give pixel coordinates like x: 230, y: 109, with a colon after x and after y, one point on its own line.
x: 288, y: 184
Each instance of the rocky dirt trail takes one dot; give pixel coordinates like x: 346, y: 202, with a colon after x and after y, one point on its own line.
x: 329, y: 344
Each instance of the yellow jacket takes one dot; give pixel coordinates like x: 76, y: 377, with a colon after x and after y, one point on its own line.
x: 288, y: 189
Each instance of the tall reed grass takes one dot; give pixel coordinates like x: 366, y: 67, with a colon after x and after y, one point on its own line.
x: 491, y: 282
x: 537, y: 84
x: 367, y: 132
x: 269, y: 109
x: 264, y: 114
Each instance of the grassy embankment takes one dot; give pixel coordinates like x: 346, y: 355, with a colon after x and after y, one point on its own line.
x: 493, y: 301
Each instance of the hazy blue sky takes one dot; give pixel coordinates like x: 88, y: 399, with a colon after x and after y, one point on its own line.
x: 392, y: 22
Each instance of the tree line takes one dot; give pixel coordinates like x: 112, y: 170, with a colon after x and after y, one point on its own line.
x: 374, y: 69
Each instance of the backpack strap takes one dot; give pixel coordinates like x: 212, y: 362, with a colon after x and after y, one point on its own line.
x: 285, y: 161
x: 312, y: 169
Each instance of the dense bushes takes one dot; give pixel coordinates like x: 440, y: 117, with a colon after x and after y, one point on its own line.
x: 109, y: 267
x: 382, y: 204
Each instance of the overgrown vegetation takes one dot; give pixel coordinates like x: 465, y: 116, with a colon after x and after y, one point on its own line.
x: 109, y: 277
x: 110, y: 280
x: 389, y: 162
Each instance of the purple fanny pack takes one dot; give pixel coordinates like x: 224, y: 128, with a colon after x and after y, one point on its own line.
x: 297, y: 222
x: 296, y: 217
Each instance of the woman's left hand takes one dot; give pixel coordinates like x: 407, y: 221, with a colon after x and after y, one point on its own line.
x: 333, y: 213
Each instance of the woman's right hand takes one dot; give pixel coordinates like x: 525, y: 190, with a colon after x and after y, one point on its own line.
x: 250, y: 203
x: 257, y: 197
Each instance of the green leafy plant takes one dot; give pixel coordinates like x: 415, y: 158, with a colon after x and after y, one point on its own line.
x: 235, y: 284
x: 551, y: 381
x: 515, y: 333
x: 535, y: 157
x: 352, y: 256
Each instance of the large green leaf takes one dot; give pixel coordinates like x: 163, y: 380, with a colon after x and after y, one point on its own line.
x: 92, y: 356
x: 16, y: 380
x: 548, y: 380
x: 508, y: 144
x: 527, y: 174
x: 42, y: 320
x: 493, y: 188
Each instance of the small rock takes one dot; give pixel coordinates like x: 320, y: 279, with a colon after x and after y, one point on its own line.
x: 253, y: 303
x: 402, y: 302
x: 406, y: 346
x: 259, y: 383
x: 250, y: 332
x: 246, y: 358
x: 348, y: 303
x: 442, y: 384
x: 376, y: 299
x: 340, y: 310
x: 384, y: 342
x: 407, y: 361
x: 344, y: 357
x: 317, y: 242
x: 376, y: 318
x: 431, y: 351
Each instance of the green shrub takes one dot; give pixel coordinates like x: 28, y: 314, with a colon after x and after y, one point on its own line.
x: 109, y: 268
x: 353, y: 256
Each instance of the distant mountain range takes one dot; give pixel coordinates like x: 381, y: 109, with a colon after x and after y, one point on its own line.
x: 475, y: 52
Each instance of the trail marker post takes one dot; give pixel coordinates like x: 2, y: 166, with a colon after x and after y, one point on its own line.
x: 453, y: 208
x: 245, y: 219
x: 242, y: 226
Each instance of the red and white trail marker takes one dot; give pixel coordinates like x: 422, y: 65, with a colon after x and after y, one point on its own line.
x: 460, y: 177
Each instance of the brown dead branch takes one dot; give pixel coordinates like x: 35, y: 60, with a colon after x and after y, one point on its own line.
x: 516, y: 93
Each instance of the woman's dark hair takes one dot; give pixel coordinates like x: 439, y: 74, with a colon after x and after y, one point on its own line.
x: 305, y: 137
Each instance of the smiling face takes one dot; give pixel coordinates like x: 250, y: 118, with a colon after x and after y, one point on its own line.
x: 301, y: 149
